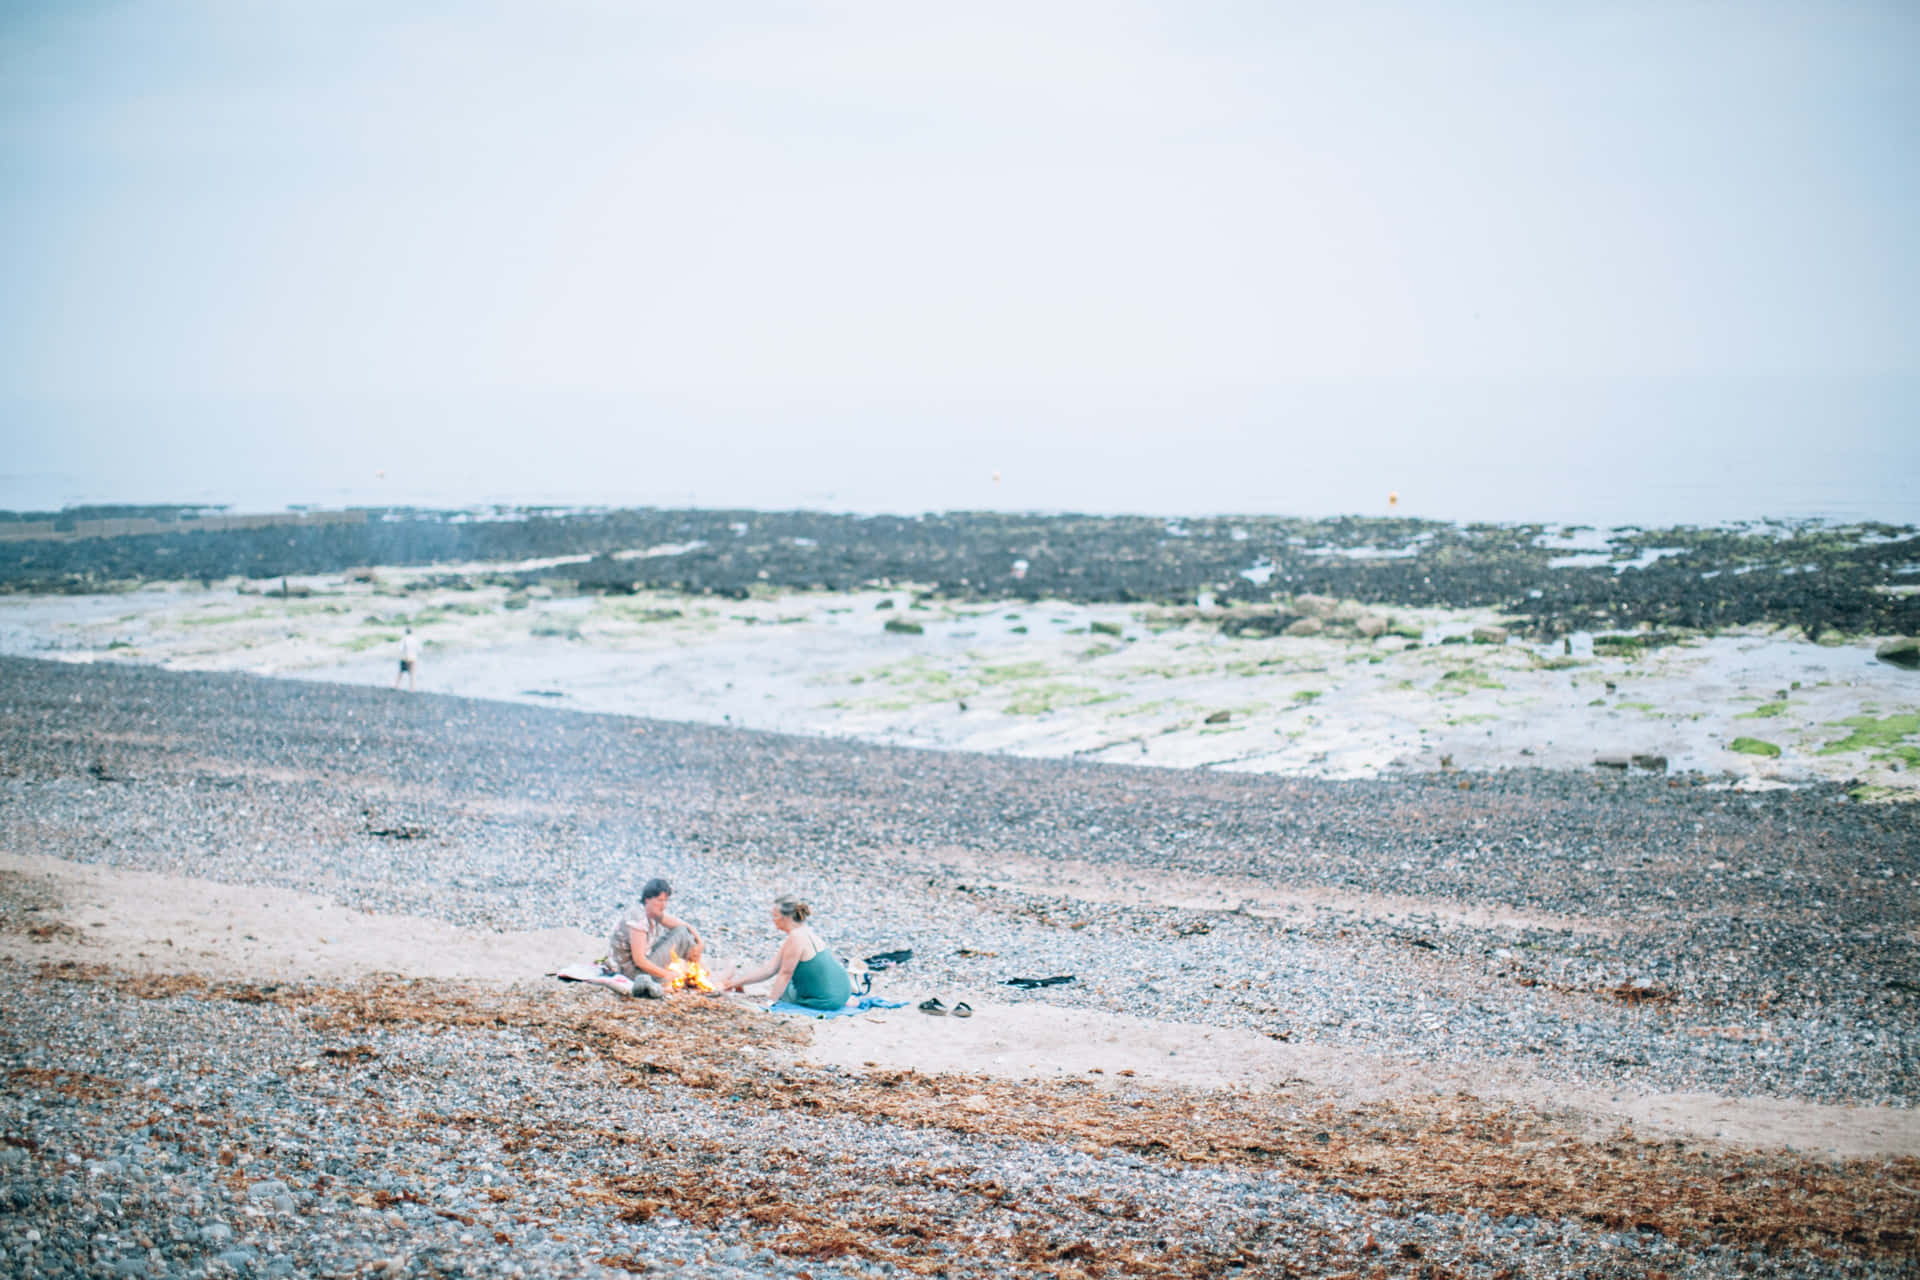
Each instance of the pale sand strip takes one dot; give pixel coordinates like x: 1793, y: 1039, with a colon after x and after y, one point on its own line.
x: 141, y: 921
x: 177, y: 924
x: 1046, y: 1042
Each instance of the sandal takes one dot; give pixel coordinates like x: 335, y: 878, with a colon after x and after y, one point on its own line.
x: 1030, y: 984
x: 933, y: 1006
x: 963, y: 1010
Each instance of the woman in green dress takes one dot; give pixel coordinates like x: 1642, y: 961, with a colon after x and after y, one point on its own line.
x: 804, y: 972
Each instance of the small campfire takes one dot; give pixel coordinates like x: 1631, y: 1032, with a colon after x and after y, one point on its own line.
x: 689, y: 975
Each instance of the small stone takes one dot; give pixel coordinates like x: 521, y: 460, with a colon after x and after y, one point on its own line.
x: 1220, y: 717
x: 1489, y: 635
x: 1650, y: 762
x: 1613, y: 762
x: 1305, y: 627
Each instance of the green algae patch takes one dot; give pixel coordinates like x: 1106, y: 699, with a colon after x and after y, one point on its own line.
x: 221, y: 619
x: 916, y: 682
x: 1173, y: 671
x: 1467, y: 678
x: 1765, y: 711
x: 1007, y: 673
x: 359, y: 643
x: 1037, y: 700
x: 1870, y: 734
x: 1754, y: 747
x: 1159, y: 706
x: 1242, y: 667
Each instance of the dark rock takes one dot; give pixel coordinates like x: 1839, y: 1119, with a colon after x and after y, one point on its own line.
x: 1257, y: 623
x: 1645, y: 760
x: 1902, y: 652
x: 1612, y: 762
x: 1815, y: 578
x: 902, y: 626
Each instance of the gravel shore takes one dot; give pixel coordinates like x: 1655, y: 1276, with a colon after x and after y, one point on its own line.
x: 1612, y: 934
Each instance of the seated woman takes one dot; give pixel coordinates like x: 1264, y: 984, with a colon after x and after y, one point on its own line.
x: 804, y: 971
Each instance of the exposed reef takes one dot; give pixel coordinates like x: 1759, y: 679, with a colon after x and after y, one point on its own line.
x: 1855, y: 579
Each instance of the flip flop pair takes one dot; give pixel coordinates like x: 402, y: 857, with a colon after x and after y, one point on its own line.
x: 933, y: 1006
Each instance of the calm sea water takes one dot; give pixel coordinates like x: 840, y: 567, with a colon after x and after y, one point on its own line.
x: 1605, y: 452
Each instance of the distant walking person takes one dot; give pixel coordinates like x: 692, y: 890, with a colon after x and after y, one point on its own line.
x: 409, y: 659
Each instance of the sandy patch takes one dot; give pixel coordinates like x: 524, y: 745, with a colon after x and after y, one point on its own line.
x: 1036, y: 1041
x: 56, y: 910
x: 53, y: 910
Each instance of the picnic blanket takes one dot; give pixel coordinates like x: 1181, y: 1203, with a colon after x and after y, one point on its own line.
x: 594, y: 972
x: 851, y: 1007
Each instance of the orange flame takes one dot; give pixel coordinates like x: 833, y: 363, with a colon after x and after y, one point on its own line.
x: 689, y: 975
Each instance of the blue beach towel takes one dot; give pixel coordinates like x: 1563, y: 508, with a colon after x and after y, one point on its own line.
x: 851, y: 1007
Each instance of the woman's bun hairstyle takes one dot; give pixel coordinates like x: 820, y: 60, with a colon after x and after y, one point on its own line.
x: 793, y: 909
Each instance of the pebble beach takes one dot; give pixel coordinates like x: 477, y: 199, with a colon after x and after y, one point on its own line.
x: 1316, y: 604
x: 1534, y: 1022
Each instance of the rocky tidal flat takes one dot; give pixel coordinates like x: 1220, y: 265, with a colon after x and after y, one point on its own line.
x: 1311, y: 686
x: 1536, y: 1022
x: 1854, y: 580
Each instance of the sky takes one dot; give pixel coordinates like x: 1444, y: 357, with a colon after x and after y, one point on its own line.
x: 1601, y: 262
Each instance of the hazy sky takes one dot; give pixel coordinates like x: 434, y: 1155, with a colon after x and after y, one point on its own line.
x: 1632, y: 259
